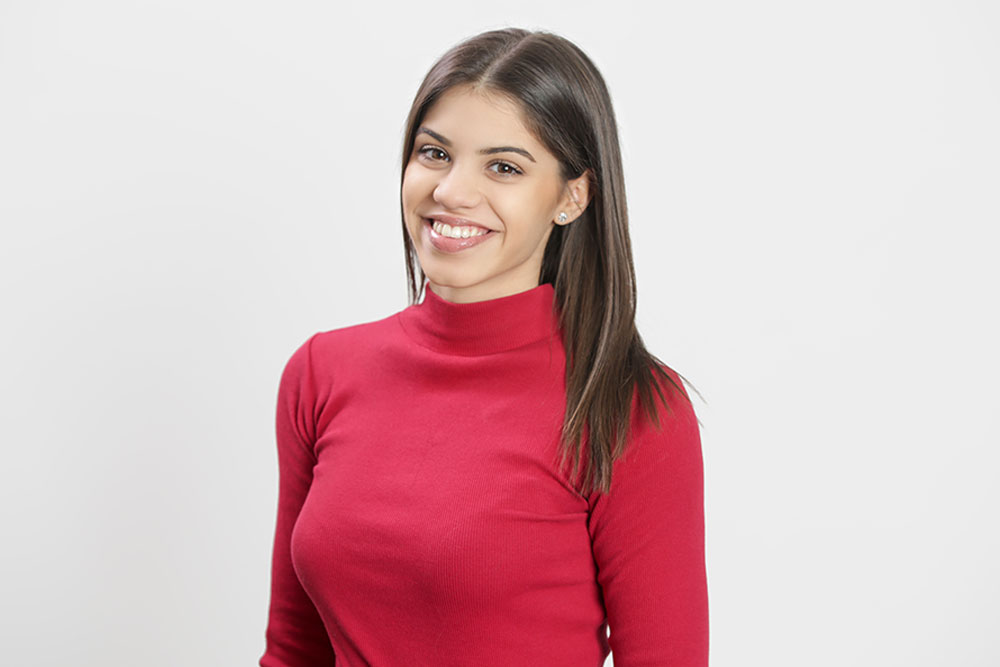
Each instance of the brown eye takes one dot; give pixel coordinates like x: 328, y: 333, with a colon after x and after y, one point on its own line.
x: 514, y: 171
x: 428, y: 150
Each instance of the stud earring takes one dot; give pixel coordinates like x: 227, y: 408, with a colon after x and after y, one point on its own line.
x: 562, y: 217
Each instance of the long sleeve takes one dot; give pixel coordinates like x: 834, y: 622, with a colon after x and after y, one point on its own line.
x: 295, y: 635
x: 648, y: 538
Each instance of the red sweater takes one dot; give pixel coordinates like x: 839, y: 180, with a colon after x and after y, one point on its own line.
x: 422, y: 518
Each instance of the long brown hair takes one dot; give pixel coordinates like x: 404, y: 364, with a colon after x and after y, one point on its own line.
x: 566, y: 105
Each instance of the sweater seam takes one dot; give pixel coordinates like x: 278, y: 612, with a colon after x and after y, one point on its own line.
x: 311, y: 380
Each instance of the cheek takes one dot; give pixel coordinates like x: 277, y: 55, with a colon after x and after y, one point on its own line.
x: 522, y: 213
x: 417, y: 179
x: 411, y: 180
x: 414, y: 192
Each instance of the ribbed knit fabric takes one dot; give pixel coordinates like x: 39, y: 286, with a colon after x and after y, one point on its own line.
x: 423, y: 520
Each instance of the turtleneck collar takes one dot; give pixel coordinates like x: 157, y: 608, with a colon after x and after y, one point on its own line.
x: 482, y: 327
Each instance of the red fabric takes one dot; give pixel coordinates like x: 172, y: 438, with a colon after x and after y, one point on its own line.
x: 423, y: 519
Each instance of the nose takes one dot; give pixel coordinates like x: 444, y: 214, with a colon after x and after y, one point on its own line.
x: 457, y: 189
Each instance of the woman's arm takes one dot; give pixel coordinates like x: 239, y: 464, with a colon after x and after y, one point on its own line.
x: 648, y: 539
x: 295, y: 633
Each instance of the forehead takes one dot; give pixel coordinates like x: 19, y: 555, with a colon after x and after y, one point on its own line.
x: 466, y: 116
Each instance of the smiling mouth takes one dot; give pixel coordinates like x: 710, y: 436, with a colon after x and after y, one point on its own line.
x: 454, y: 244
x: 477, y: 231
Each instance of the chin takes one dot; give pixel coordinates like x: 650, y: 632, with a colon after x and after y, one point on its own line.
x: 450, y: 279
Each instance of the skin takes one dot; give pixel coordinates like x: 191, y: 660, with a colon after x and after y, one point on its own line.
x: 457, y: 180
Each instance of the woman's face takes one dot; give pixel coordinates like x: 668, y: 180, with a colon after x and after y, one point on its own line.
x: 473, y: 159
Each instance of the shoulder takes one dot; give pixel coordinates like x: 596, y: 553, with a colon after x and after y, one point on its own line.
x: 674, y: 441
x: 342, y: 351
x: 675, y: 410
x: 328, y: 365
x: 354, y: 339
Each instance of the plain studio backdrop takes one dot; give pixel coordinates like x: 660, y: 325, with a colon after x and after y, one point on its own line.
x: 189, y: 190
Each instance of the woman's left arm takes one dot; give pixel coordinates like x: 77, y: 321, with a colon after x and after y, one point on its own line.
x: 648, y: 537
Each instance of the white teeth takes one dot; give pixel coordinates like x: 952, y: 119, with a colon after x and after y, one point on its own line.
x: 457, y: 232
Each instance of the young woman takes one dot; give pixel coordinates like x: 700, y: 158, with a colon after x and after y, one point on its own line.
x: 426, y: 515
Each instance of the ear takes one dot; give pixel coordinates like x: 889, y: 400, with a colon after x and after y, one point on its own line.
x: 575, y: 199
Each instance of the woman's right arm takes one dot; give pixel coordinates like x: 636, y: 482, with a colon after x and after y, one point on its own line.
x: 295, y: 636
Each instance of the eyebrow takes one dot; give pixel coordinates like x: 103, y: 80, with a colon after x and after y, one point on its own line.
x: 482, y: 151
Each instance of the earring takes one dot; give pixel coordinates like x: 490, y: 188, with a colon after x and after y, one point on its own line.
x: 562, y: 217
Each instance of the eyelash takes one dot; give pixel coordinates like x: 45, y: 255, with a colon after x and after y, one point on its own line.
x: 516, y: 172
